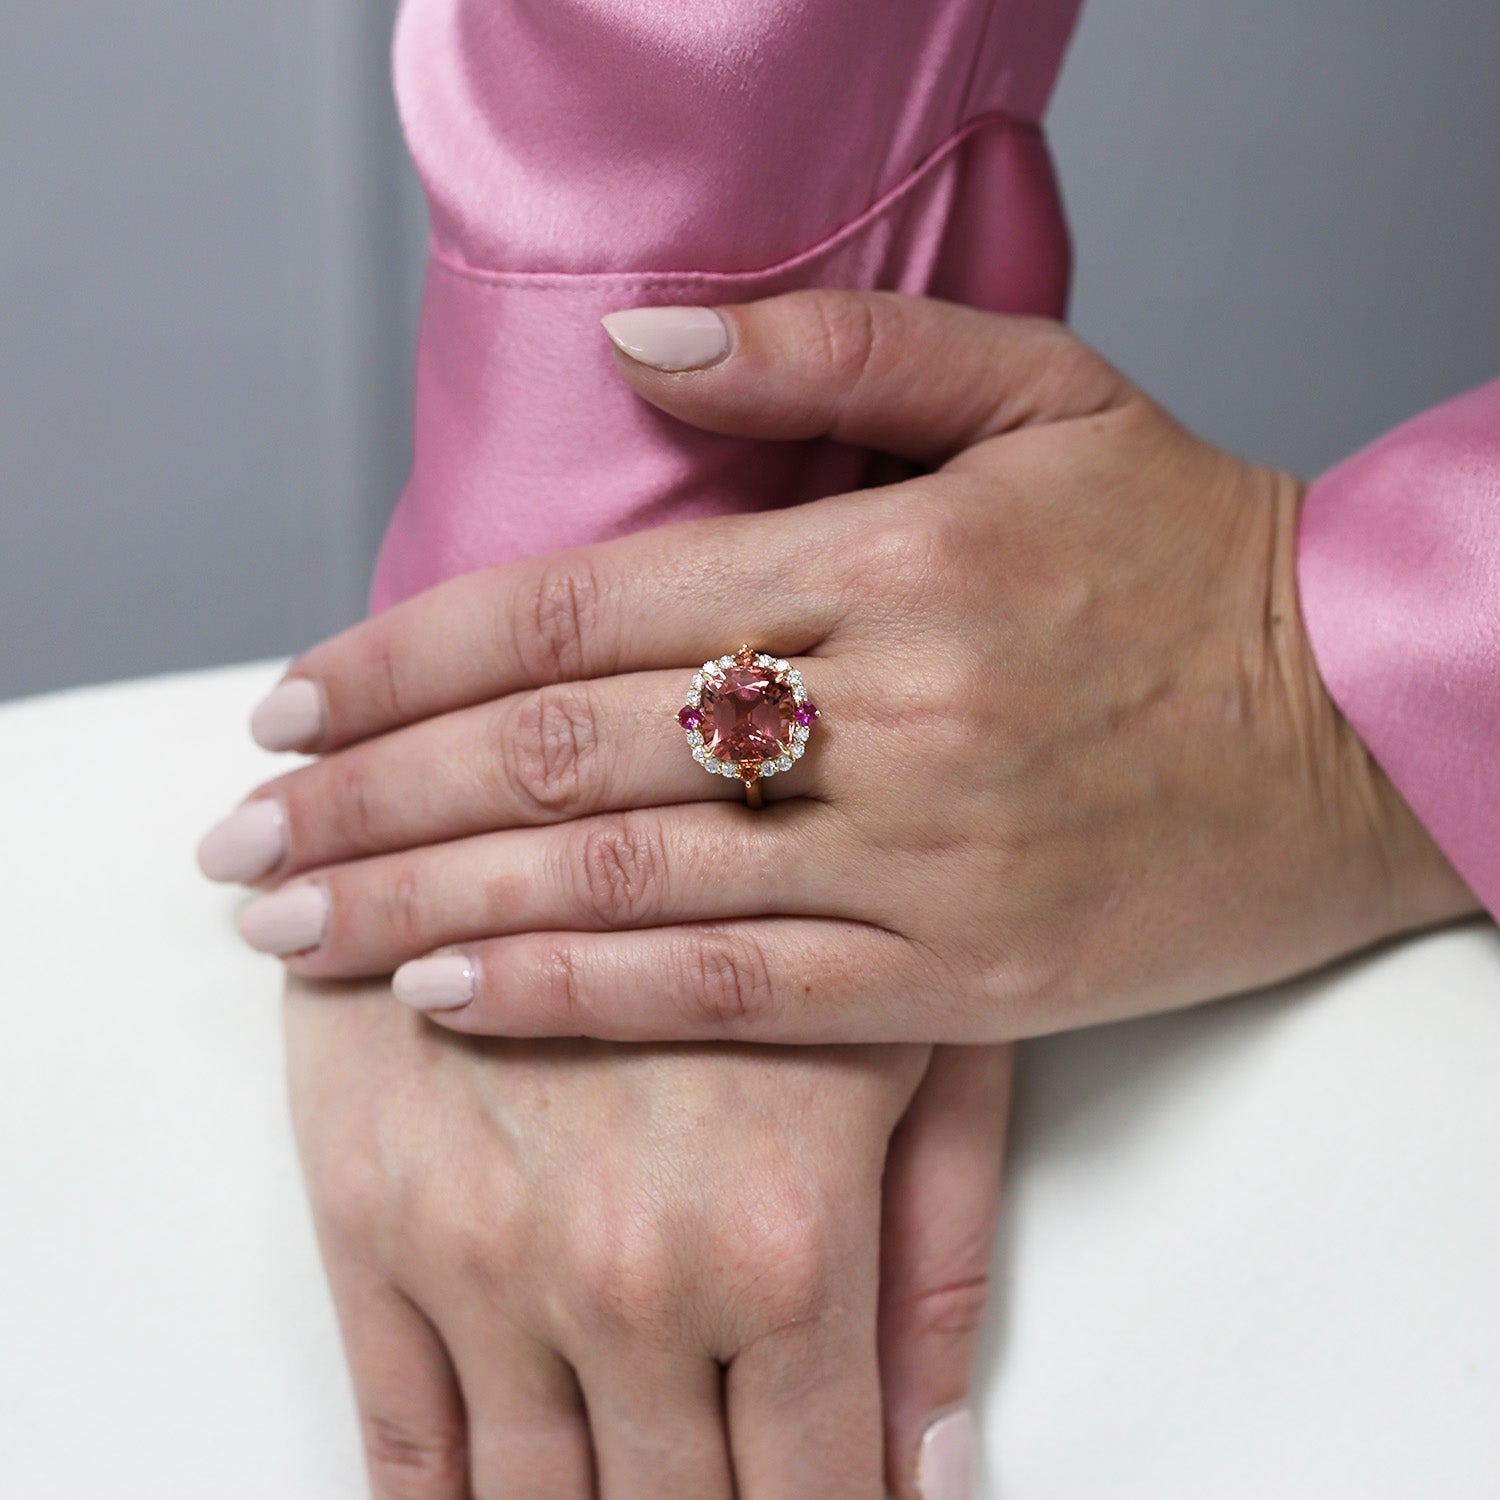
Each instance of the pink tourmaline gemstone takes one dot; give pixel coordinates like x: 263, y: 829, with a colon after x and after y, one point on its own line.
x: 747, y: 714
x: 689, y: 717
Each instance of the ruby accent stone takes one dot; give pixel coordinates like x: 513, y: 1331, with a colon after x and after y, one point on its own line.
x: 689, y: 717
x: 747, y: 714
x: 804, y: 714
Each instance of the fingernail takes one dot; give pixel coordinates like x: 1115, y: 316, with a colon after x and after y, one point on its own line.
x: 669, y: 338
x: 945, y: 1464
x: 287, y: 921
x: 442, y: 982
x: 246, y: 844
x: 290, y: 717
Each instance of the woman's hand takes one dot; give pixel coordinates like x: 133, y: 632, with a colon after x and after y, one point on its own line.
x: 569, y: 1269
x: 1074, y: 761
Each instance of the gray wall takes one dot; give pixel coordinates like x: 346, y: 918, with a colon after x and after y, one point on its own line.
x: 1287, y: 212
x: 207, y: 248
x: 1288, y: 220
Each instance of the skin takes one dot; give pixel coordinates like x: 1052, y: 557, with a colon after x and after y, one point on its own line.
x: 1078, y: 635
x: 1076, y: 764
x: 567, y: 1269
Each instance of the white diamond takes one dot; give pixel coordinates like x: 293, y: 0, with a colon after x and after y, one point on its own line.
x: 697, y: 682
x: 709, y: 668
x: 799, y: 733
x: 783, y: 666
x: 799, y: 693
x: 694, y: 738
x: 699, y: 753
x: 728, y: 768
x: 694, y: 698
x: 726, y: 662
x: 797, y: 751
x: 763, y: 660
x: 794, y: 677
x: 708, y: 763
x: 785, y: 763
x: 767, y: 768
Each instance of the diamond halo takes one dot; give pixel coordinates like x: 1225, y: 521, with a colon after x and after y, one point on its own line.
x: 747, y: 715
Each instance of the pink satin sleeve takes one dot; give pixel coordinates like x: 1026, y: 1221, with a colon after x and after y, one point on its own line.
x: 581, y: 156
x: 1399, y: 571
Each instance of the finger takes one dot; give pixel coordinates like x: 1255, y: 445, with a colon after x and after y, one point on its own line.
x: 915, y: 376
x: 617, y: 870
x: 657, y: 1422
x: 804, y: 1399
x: 528, y: 1430
x: 764, y: 979
x: 942, y: 1189
x: 547, y: 755
x: 410, y: 1411
x: 660, y: 598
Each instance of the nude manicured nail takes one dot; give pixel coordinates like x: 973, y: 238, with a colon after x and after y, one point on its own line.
x: 290, y: 717
x: 443, y: 982
x: 287, y: 921
x: 945, y: 1464
x: 247, y: 844
x: 669, y: 338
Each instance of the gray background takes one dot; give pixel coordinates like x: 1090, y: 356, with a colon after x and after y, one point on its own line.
x: 1287, y: 215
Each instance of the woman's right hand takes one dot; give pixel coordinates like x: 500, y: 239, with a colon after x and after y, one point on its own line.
x: 570, y: 1269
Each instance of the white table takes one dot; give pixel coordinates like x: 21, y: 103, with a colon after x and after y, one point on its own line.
x: 1249, y: 1251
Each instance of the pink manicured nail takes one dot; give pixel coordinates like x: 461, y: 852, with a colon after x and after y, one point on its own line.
x: 290, y: 717
x: 669, y: 338
x: 945, y: 1464
x: 443, y: 982
x: 287, y: 921
x: 247, y: 844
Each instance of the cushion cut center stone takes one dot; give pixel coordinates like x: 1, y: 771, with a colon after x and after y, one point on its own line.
x: 747, y: 714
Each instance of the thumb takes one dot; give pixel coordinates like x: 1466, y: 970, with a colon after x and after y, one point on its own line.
x: 914, y: 376
x: 942, y: 1189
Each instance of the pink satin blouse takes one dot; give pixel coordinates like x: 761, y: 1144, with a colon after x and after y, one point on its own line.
x: 581, y: 156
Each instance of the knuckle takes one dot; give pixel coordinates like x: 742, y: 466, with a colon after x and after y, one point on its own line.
x: 953, y: 1309
x: 621, y: 870
x: 403, y: 907
x: 1069, y: 370
x: 908, y: 549
x: 846, y: 330
x: 350, y: 796
x: 410, y: 1460
x: 382, y: 675
x: 628, y: 1277
x: 558, y: 624
x: 727, y: 983
x: 554, y: 978
x: 481, y: 1240
x: 788, y: 1261
x: 348, y: 1195
x: 552, y: 742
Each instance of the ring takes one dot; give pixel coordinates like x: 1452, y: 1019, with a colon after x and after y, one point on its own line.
x: 747, y: 715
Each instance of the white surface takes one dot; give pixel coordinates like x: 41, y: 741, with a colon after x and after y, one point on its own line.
x: 1250, y: 1251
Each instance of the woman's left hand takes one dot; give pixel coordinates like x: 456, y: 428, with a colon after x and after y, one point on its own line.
x: 1074, y: 759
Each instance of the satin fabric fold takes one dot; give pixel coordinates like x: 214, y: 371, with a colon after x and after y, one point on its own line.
x: 581, y: 156
x: 695, y: 135
x: 527, y: 440
x: 1399, y: 570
